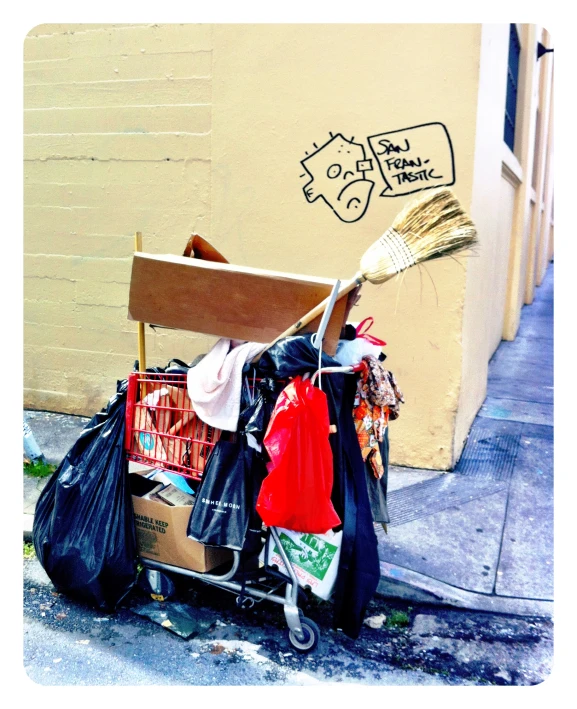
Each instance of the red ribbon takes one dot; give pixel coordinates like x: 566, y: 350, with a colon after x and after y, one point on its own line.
x: 365, y: 335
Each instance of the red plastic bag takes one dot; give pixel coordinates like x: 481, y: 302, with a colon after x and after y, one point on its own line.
x: 296, y: 494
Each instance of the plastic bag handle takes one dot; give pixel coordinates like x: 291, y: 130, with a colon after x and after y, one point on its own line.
x: 365, y: 335
x: 178, y: 362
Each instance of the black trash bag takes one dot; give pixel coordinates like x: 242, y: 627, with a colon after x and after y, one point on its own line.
x: 174, y: 366
x: 83, y: 531
x: 254, y: 419
x: 295, y: 355
x: 224, y: 502
x: 254, y: 541
x: 377, y: 489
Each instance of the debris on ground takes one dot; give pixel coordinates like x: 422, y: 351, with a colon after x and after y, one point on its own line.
x: 376, y: 621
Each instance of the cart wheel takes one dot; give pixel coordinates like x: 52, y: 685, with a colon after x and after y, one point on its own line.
x: 245, y: 603
x: 158, y: 585
x: 311, y: 636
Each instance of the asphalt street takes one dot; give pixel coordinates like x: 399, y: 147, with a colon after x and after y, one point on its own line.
x: 69, y: 643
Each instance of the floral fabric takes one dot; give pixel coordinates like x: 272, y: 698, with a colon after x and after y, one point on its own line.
x: 377, y: 400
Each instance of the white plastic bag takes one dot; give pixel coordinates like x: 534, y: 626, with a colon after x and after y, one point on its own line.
x: 351, y: 352
x: 314, y: 558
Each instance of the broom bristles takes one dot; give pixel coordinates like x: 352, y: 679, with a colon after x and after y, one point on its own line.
x: 432, y: 226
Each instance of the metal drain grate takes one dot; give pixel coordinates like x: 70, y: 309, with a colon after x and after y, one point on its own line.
x: 485, y: 468
x: 431, y: 496
x: 491, y: 449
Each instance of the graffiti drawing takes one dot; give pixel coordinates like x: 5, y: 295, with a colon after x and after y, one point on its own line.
x: 414, y: 159
x: 337, y: 170
x: 409, y: 159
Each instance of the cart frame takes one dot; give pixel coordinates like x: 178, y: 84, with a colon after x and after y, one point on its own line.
x: 303, y: 633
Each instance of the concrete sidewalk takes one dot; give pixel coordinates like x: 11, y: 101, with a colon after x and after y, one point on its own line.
x: 480, y: 537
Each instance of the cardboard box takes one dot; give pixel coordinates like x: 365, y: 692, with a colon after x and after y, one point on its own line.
x: 191, y: 448
x: 200, y: 248
x: 161, y: 532
x: 152, y: 421
x: 174, y: 496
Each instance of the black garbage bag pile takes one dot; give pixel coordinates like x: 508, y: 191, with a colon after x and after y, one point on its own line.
x: 83, y: 531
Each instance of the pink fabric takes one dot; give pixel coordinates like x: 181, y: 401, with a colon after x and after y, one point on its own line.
x: 214, y: 385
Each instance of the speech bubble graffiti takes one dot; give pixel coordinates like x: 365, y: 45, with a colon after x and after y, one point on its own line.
x: 414, y: 159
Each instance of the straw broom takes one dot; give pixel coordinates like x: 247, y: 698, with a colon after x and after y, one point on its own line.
x: 429, y: 227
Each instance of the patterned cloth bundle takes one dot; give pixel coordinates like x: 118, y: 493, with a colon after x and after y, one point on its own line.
x: 377, y: 401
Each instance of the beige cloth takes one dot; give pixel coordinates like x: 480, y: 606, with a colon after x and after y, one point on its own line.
x: 214, y: 385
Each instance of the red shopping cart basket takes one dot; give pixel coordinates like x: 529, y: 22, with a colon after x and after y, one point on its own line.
x: 162, y: 429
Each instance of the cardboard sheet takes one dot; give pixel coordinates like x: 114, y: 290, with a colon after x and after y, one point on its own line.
x: 226, y: 300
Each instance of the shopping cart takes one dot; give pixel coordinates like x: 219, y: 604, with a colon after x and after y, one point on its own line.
x: 163, y: 432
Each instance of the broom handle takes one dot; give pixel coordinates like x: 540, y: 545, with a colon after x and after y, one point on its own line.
x: 141, y: 337
x: 315, y: 312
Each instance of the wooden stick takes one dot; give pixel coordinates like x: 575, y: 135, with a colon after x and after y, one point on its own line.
x: 346, y: 288
x: 429, y: 227
x: 141, y: 340
x: 188, y: 416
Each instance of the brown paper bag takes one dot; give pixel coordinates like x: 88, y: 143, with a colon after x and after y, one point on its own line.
x: 153, y: 421
x: 191, y: 447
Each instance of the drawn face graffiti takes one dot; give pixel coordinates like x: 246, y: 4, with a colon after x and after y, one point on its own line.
x: 337, y: 170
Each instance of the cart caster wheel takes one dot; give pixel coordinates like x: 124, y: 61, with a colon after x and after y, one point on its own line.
x: 311, y: 638
x: 244, y: 603
x: 158, y: 585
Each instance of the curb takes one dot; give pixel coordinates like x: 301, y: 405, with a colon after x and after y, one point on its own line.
x: 400, y: 582
x: 28, y: 523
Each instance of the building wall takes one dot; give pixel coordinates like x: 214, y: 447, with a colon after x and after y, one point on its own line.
x: 278, y: 91
x: 543, y: 252
x: 175, y: 129
x: 518, y: 169
x: 541, y: 198
x: 486, y: 275
x: 117, y: 126
x: 512, y: 208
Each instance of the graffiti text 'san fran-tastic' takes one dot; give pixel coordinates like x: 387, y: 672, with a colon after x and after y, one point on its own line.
x: 413, y: 159
x: 410, y: 160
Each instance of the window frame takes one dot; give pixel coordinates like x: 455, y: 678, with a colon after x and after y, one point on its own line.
x: 511, y: 98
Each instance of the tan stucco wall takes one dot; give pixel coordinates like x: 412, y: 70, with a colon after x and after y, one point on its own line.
x: 520, y: 176
x: 519, y: 217
x: 487, y: 272
x: 117, y: 139
x: 507, y: 203
x: 180, y: 128
x: 540, y: 218
x: 279, y: 89
x: 506, y: 185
